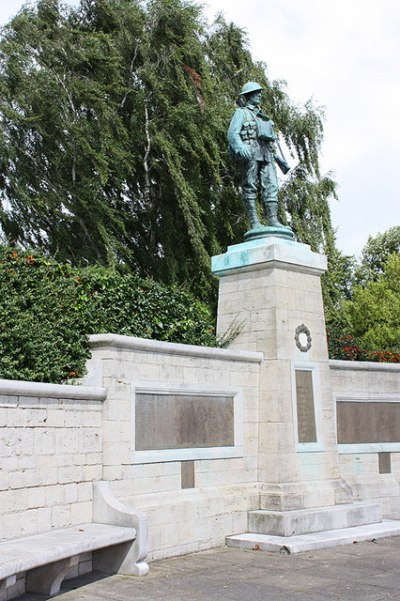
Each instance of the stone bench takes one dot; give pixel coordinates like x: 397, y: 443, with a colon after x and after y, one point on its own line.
x: 47, y: 558
x: 117, y: 539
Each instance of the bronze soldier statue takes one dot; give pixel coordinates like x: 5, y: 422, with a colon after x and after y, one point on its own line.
x: 252, y: 141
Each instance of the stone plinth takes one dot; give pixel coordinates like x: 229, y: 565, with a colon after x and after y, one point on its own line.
x: 270, y: 289
x: 304, y: 521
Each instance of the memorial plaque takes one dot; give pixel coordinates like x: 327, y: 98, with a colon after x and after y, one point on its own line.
x: 183, y: 421
x: 187, y: 474
x: 306, y: 427
x: 367, y: 422
x: 385, y: 463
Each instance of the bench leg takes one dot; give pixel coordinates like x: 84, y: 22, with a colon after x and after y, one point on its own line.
x: 118, y: 559
x: 6, y: 582
x: 129, y: 558
x: 47, y: 579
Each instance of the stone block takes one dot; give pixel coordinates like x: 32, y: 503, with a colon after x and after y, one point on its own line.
x: 36, y: 497
x: 4, y: 481
x: 44, y: 441
x: 118, y: 410
x: 48, y: 475
x: 20, y: 479
x: 18, y: 499
x: 61, y: 516
x: 30, y: 417
x: 165, y: 483
x: 55, y: 495
x: 71, y: 493
x: 112, y: 472
x: 289, y: 523
x: 81, y: 512
x: 27, y: 463
x: 90, y: 440
x: 92, y: 458
x: 85, y: 564
x: 10, y: 463
x: 150, y: 372
x: 116, y: 453
x: 73, y: 418
x: 84, y: 491
x: 68, y: 442
x: 43, y: 519
x: 117, y: 390
x: 15, y: 524
x: 8, y: 401
x: 141, y: 486
x: 92, y: 472
x: 72, y: 473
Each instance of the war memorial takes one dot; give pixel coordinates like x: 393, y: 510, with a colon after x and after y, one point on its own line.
x: 166, y: 449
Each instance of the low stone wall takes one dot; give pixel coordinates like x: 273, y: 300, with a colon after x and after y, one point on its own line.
x: 51, y: 450
x: 175, y: 430
x: 367, y: 398
x: 195, y: 484
x: 51, y: 439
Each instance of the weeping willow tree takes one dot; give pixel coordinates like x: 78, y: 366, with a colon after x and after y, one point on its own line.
x: 113, y: 121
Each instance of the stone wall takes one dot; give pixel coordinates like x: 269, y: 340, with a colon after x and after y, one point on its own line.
x: 367, y: 397
x: 195, y: 495
x: 51, y: 450
x: 56, y: 440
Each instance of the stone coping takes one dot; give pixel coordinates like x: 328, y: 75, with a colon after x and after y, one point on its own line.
x: 363, y: 365
x: 44, y: 390
x: 131, y: 343
x: 270, y: 252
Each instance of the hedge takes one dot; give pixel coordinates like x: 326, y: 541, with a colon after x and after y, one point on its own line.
x: 48, y: 310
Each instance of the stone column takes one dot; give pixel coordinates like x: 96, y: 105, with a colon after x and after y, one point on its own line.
x: 270, y: 288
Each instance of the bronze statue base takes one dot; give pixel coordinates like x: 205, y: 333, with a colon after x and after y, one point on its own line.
x: 265, y: 231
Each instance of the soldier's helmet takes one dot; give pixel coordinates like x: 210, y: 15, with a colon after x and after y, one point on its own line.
x: 249, y: 87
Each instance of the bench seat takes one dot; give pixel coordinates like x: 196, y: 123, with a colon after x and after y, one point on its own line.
x: 47, y: 558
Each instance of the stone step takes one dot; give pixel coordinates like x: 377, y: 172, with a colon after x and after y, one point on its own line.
x: 303, y: 521
x: 316, y: 540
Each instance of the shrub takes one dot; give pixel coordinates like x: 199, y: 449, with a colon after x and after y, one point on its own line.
x: 48, y: 309
x: 347, y: 347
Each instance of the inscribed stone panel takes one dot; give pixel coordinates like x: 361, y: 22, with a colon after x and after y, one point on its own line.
x: 368, y: 422
x: 306, y: 426
x: 183, y: 421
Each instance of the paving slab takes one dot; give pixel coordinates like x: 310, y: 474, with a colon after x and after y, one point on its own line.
x: 314, y: 540
x: 364, y: 571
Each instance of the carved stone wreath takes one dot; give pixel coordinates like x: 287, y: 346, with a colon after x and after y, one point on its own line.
x: 303, y: 338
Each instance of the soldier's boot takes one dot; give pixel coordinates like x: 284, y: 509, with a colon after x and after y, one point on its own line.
x: 271, y: 211
x: 251, y: 208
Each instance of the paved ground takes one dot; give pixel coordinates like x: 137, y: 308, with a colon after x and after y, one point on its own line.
x: 367, y: 571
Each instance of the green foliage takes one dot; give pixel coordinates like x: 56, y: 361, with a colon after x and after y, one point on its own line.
x: 375, y: 254
x: 41, y: 335
x: 373, y: 313
x: 337, y: 283
x: 113, y: 121
x: 363, y: 304
x: 48, y: 309
x: 346, y: 347
x: 308, y: 203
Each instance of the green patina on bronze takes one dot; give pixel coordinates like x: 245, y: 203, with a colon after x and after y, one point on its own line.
x: 252, y: 142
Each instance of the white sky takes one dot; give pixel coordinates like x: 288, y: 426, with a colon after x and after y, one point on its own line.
x: 346, y: 55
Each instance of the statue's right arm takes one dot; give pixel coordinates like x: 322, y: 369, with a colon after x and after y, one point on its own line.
x: 234, y: 139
